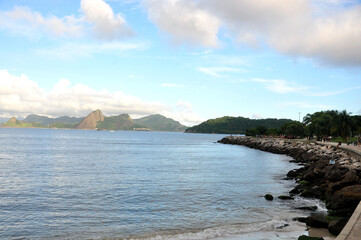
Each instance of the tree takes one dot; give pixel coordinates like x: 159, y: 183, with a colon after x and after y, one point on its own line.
x: 295, y: 129
x: 344, y: 124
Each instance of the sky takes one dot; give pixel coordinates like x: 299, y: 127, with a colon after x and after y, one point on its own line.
x: 190, y: 60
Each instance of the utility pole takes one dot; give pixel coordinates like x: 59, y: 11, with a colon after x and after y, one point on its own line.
x: 299, y: 116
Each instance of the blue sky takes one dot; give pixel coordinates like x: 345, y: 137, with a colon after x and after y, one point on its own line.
x: 190, y: 60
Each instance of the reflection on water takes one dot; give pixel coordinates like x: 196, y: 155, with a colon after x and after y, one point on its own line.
x: 99, y: 184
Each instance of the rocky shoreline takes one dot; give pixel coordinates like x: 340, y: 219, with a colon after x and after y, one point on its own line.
x: 327, y: 173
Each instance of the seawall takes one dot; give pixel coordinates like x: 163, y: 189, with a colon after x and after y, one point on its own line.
x: 327, y: 173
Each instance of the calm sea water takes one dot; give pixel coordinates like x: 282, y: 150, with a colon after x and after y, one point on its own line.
x: 73, y: 184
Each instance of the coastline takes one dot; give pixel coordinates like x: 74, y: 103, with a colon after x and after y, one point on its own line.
x: 327, y: 173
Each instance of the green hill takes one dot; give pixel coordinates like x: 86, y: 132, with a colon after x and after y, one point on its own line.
x: 235, y: 125
x: 96, y: 120
x: 13, y: 122
x: 158, y: 122
x: 121, y: 122
x: 60, y: 122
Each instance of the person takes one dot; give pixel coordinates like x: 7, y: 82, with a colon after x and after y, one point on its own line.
x: 359, y: 140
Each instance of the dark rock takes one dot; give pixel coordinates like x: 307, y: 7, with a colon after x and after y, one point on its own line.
x: 283, y: 197
x: 292, y: 174
x: 350, y: 178
x: 310, y: 208
x: 345, y: 200
x: 268, y: 197
x: 317, y: 221
x: 334, y: 173
x: 310, y: 176
x: 304, y: 237
x: 300, y: 219
x: 311, y: 193
x: 336, y: 226
x: 282, y: 226
x: 296, y: 190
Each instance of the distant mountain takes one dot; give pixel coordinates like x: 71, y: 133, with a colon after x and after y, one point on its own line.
x: 235, y: 125
x: 121, y: 122
x: 158, y: 122
x: 91, y: 121
x: 44, y: 121
x: 13, y: 122
x: 96, y: 120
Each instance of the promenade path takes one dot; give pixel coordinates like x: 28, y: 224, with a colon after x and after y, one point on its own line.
x: 352, y: 230
x: 350, y: 148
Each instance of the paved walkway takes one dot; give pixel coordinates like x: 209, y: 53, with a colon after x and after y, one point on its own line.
x: 351, y: 148
x: 352, y: 230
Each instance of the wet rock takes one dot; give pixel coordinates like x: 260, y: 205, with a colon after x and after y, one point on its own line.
x: 300, y: 219
x: 292, y: 174
x: 311, y: 193
x: 317, y: 221
x: 335, y: 226
x: 268, y: 197
x: 304, y: 237
x: 345, y: 200
x: 283, y: 197
x: 309, y: 208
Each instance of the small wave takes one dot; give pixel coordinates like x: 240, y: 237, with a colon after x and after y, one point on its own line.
x: 301, y: 202
x: 277, y: 227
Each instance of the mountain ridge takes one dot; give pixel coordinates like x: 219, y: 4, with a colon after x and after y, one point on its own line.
x: 97, y: 121
x: 235, y: 125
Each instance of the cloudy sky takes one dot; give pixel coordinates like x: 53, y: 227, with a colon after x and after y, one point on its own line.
x: 187, y: 59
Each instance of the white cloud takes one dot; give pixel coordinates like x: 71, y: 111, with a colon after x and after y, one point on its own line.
x: 280, y: 85
x: 73, y: 50
x: 256, y: 116
x: 183, y: 110
x: 21, y: 96
x: 283, y: 87
x: 184, y: 22
x: 106, y: 25
x: 327, y: 31
x: 172, y: 85
x: 299, y: 28
x: 23, y: 21
x: 216, y: 71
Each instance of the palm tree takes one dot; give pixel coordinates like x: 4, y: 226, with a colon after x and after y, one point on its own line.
x: 344, y: 121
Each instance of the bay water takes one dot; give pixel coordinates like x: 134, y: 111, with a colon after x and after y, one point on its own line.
x: 79, y: 184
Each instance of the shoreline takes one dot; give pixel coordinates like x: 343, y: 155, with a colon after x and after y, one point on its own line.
x: 327, y: 173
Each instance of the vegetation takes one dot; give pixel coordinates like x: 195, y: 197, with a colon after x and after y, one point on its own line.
x: 160, y: 123
x: 236, y: 125
x: 338, y: 124
x: 13, y: 122
x: 332, y: 123
x: 68, y: 122
x: 121, y: 122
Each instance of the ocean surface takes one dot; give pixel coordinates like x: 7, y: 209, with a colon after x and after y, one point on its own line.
x: 78, y: 184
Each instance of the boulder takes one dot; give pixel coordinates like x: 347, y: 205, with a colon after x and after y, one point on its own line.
x: 268, y: 197
x: 300, y: 219
x: 336, y: 226
x: 292, y: 174
x: 317, y: 221
x: 309, y: 208
x: 346, y: 198
x: 304, y: 237
x: 283, y: 197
